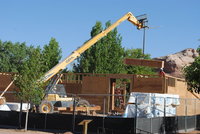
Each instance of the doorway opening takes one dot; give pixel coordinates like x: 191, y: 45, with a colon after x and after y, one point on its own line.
x: 119, y: 94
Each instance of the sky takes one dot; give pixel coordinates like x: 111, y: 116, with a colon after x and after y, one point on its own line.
x: 173, y: 24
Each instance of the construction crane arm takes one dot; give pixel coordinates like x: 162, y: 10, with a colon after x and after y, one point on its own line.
x: 62, y: 65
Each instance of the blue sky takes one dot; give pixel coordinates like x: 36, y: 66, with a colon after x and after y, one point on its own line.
x: 174, y: 24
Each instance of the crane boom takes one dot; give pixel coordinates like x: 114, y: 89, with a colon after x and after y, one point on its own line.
x: 62, y: 65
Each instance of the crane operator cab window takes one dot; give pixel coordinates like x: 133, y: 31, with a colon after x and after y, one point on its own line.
x: 58, y: 89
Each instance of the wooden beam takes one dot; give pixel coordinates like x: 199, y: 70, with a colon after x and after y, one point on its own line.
x: 84, y: 109
x: 144, y: 62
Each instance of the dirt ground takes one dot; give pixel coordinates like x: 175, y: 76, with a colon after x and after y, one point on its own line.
x: 192, y: 132
x: 17, y: 131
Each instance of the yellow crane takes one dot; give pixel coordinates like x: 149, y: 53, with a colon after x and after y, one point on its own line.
x: 47, y: 106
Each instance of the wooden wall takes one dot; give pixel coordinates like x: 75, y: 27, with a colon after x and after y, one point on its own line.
x: 73, y: 88
x: 148, y: 84
x: 189, y: 102
x: 5, y: 80
x: 180, y: 87
x: 96, y: 86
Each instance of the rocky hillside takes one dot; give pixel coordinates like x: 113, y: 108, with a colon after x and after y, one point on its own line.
x: 174, y: 63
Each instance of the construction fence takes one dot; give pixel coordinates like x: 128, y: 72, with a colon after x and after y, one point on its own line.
x: 154, y: 104
x: 116, y: 114
x: 152, y: 112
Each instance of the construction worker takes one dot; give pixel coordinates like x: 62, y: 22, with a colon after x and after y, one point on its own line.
x: 161, y: 73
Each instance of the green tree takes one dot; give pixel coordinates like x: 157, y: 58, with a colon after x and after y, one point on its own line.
x: 34, y: 65
x: 30, y: 89
x: 192, y: 75
x: 51, y: 54
x: 29, y: 63
x: 12, y: 56
x: 137, y: 54
x: 105, y: 56
x: 4, y: 59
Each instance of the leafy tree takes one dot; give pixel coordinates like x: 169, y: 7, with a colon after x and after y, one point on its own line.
x: 137, y: 54
x: 12, y: 56
x: 105, y: 56
x: 192, y: 75
x: 34, y: 65
x: 4, y: 59
x: 51, y: 54
x: 30, y: 90
x: 29, y: 63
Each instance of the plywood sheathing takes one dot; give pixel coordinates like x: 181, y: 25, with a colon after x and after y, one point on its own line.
x: 5, y: 80
x: 96, y: 85
x: 148, y: 84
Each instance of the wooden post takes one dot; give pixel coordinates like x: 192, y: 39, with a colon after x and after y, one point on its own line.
x: 124, y: 95
x: 85, y: 125
x: 166, y: 84
x: 113, y: 97
x: 163, y: 84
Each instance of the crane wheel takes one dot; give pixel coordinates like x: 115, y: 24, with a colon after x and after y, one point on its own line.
x: 46, y: 107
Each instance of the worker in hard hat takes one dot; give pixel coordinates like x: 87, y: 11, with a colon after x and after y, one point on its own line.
x: 161, y: 73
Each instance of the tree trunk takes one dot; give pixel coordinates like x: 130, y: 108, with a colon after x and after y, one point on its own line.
x: 26, y: 124
x: 20, y: 115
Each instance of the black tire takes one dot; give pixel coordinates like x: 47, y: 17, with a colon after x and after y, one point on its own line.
x: 46, y: 107
x: 83, y: 103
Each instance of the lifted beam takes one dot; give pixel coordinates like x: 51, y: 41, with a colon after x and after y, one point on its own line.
x: 144, y: 62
